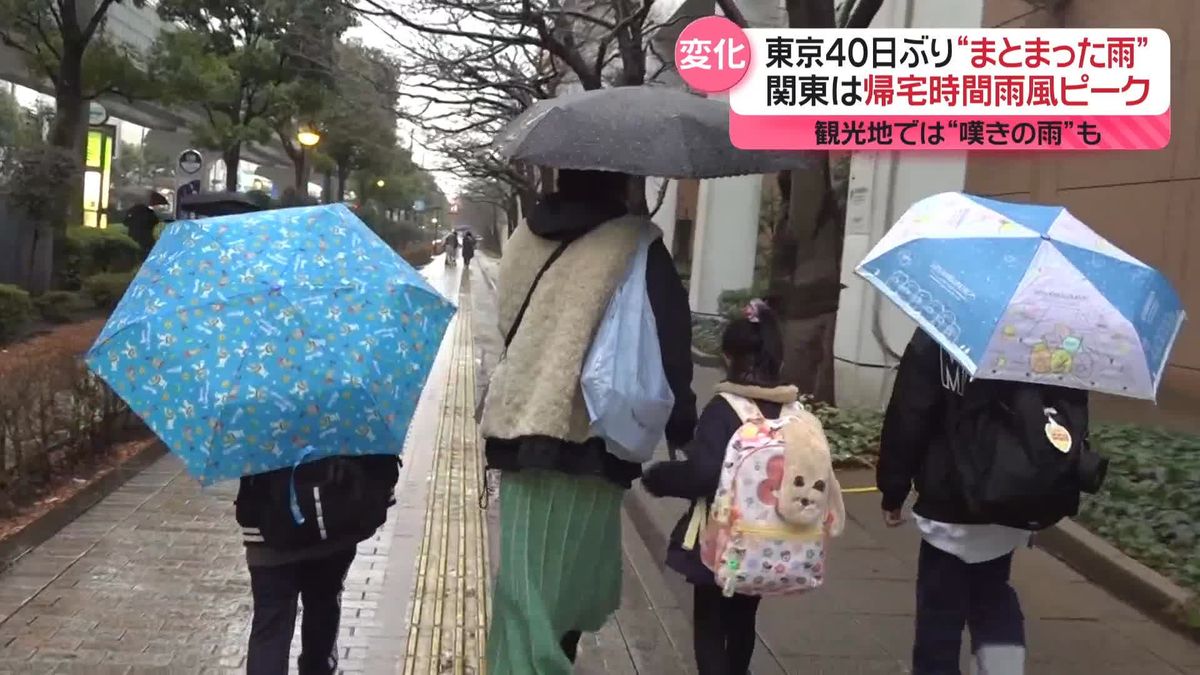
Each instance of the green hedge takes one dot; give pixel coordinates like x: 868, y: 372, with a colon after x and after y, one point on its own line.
x: 1149, y: 506
x: 105, y: 290
x: 61, y: 306
x: 853, y: 434
x: 706, y: 333
x: 16, y: 310
x: 89, y: 251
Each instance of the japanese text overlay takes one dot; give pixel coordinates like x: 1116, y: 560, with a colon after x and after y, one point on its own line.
x: 937, y: 89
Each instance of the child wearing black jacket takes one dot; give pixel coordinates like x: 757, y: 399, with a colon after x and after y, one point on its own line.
x: 753, y: 349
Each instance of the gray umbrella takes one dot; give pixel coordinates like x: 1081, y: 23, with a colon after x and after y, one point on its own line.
x: 642, y: 131
x: 136, y: 194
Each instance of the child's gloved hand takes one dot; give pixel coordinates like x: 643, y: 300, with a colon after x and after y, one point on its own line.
x: 650, y: 479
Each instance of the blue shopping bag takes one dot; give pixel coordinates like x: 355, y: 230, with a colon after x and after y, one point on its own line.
x: 624, y: 385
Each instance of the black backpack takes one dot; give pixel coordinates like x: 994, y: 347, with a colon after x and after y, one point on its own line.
x: 1021, y: 452
x: 338, y: 498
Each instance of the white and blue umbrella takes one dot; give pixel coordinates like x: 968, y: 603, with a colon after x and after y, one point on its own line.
x: 1028, y: 293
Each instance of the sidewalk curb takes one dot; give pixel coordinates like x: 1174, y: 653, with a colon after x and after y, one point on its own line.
x: 654, y: 539
x: 64, y: 513
x: 487, y: 277
x: 1105, y: 565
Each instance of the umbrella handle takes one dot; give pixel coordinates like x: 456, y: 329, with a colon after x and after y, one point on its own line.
x: 293, y: 500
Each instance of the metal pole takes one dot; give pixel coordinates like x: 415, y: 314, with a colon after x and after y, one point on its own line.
x: 301, y: 179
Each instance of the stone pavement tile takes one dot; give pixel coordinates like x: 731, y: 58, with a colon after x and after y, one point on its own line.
x: 1043, y: 597
x: 49, y: 656
x: 647, y: 642
x: 832, y: 665
x: 1090, y: 642
x: 788, y: 632
x: 605, y: 653
x: 873, y: 564
x: 1071, y: 621
x: 1169, y: 646
x: 1056, y: 667
x: 119, y: 604
x: 855, y: 596
x: 146, y: 659
x: 893, y: 633
x: 101, y: 669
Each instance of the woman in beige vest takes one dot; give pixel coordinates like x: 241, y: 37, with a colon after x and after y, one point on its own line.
x: 560, y: 491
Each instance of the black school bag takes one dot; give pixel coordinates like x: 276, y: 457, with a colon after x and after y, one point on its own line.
x: 1022, y: 452
x: 338, y: 498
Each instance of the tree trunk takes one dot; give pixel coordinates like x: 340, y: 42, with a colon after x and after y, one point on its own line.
x: 233, y: 158
x: 343, y: 175
x: 806, y: 281
x: 637, y: 196
x: 527, y: 198
x: 511, y: 212
x: 69, y: 132
x: 546, y: 179
x: 806, y: 261
x: 300, y: 173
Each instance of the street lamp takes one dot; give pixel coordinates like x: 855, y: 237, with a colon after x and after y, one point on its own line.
x: 380, y: 183
x: 307, y: 136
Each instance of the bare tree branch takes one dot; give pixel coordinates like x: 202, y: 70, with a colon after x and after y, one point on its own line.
x: 96, y: 19
x: 731, y: 11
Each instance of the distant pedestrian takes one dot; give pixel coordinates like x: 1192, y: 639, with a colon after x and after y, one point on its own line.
x: 140, y: 221
x: 560, y: 489
x: 341, y: 501
x: 750, y: 398
x: 450, y: 244
x: 965, y: 446
x: 468, y: 248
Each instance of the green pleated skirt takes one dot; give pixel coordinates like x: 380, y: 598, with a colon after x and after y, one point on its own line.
x: 560, y: 568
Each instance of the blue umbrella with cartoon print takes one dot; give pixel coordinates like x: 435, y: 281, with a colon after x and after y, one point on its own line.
x: 260, y: 341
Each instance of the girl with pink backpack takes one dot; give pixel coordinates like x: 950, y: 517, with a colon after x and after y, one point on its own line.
x: 764, y: 496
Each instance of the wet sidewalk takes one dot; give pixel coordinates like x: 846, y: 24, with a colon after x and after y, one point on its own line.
x: 861, y: 621
x: 153, y: 578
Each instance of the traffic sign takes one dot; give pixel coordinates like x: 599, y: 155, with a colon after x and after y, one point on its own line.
x: 190, y: 161
x: 97, y: 114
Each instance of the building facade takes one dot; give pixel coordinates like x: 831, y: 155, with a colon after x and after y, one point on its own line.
x: 160, y: 129
x: 1145, y: 202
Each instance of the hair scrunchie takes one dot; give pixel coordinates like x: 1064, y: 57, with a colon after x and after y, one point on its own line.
x: 753, y: 311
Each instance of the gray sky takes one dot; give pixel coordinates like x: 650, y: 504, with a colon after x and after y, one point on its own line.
x: 382, y: 34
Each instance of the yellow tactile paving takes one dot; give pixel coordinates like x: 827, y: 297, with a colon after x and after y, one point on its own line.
x: 450, y: 596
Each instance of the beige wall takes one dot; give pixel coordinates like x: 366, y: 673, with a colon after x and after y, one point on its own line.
x: 1148, y: 203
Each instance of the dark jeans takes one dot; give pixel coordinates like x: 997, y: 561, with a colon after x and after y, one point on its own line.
x: 952, y: 594
x: 723, y: 631
x: 318, y: 584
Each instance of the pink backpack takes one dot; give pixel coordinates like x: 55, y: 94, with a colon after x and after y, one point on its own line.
x: 777, y: 504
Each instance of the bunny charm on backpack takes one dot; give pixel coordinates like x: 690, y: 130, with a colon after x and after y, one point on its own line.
x: 777, y: 503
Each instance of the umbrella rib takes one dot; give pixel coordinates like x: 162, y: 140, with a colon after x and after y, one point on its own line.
x: 222, y: 300
x: 220, y: 413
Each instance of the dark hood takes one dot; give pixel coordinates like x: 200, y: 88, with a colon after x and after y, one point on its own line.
x: 559, y: 218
